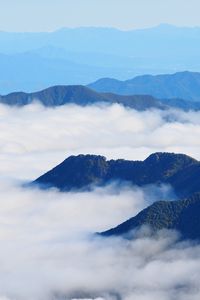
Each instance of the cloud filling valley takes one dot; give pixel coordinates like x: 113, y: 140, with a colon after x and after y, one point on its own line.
x: 48, y: 250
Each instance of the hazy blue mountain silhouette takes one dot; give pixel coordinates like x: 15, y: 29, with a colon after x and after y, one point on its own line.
x: 32, y: 61
x: 31, y: 72
x: 184, y: 42
x: 182, y: 85
x: 81, y: 95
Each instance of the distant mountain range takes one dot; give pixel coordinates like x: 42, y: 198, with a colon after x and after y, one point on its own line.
x: 33, y: 61
x: 81, y: 95
x: 109, y: 40
x: 182, y: 85
x: 180, y: 171
x: 31, y: 72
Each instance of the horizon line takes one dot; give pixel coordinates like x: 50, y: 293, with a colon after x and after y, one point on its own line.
x: 160, y: 25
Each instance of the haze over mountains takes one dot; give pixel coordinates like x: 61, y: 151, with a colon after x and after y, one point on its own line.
x: 82, y: 95
x: 182, y: 85
x: 34, y: 61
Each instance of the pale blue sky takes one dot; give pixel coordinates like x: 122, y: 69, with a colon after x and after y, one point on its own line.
x: 49, y: 15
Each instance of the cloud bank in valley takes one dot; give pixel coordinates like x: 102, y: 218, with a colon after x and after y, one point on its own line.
x: 46, y: 247
x: 34, y: 139
x: 47, y: 251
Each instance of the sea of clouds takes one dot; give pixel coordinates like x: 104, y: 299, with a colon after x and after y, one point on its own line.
x: 47, y: 247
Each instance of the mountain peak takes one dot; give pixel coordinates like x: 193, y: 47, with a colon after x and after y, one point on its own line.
x: 85, y: 158
x: 82, y: 171
x: 159, y: 156
x: 80, y: 95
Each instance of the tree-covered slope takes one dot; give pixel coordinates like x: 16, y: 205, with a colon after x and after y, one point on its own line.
x: 178, y: 170
x: 183, y: 216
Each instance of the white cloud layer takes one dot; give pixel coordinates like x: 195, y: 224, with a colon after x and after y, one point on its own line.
x: 34, y: 139
x: 46, y: 250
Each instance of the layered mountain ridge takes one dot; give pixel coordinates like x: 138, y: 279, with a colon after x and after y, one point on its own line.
x: 33, y: 61
x: 82, y: 95
x: 183, y: 85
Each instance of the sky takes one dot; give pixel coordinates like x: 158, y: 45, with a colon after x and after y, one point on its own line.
x: 49, y: 15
